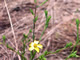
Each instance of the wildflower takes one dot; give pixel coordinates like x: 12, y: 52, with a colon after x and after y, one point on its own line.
x: 35, y: 46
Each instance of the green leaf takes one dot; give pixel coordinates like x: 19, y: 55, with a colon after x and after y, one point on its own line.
x: 25, y: 36
x: 77, y: 22
x: 24, y: 46
x: 68, y: 45
x: 43, y: 3
x: 30, y: 30
x: 36, y: 18
x: 74, y: 52
x: 23, y: 57
x: 45, y: 53
x: 45, y: 27
x: 58, y: 50
x: 29, y: 40
x: 49, y: 17
x: 73, y: 55
x: 4, y: 38
x: 47, y: 21
x: 33, y: 53
x: 42, y: 57
x: 9, y: 47
x: 32, y: 11
x: 35, y: 1
x: 46, y: 13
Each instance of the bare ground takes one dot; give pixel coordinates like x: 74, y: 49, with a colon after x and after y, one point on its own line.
x: 61, y: 30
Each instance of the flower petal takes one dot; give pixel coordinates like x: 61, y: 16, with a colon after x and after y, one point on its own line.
x: 39, y: 46
x: 31, y: 44
x: 31, y: 48
x: 37, y: 49
x: 36, y: 42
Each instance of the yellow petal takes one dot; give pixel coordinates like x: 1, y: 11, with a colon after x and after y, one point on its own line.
x: 31, y: 44
x: 31, y: 48
x: 39, y: 46
x: 36, y: 42
x: 37, y: 49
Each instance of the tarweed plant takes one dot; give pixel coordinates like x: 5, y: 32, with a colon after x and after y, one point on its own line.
x: 35, y: 46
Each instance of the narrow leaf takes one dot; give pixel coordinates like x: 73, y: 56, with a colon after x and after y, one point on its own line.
x: 43, y: 3
x: 4, y: 38
x: 32, y: 11
x: 9, y: 47
x: 46, y: 13
x: 68, y: 45
x: 36, y: 18
x: 77, y: 22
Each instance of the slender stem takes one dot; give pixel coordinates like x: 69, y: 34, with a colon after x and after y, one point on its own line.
x: 77, y: 41
x: 34, y: 22
x: 42, y: 33
x: 58, y: 52
x: 77, y: 35
x: 34, y: 29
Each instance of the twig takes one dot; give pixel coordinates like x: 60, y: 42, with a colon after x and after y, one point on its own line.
x: 11, y: 26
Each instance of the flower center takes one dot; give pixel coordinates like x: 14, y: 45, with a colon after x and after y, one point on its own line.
x: 35, y: 45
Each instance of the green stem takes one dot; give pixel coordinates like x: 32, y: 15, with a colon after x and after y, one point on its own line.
x: 77, y: 35
x: 34, y: 22
x: 32, y: 53
x: 42, y: 33
x: 77, y: 41
x: 43, y: 3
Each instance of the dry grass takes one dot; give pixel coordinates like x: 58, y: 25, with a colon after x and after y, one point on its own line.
x: 61, y: 30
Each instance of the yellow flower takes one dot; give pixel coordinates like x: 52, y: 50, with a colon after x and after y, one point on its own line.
x: 35, y: 46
